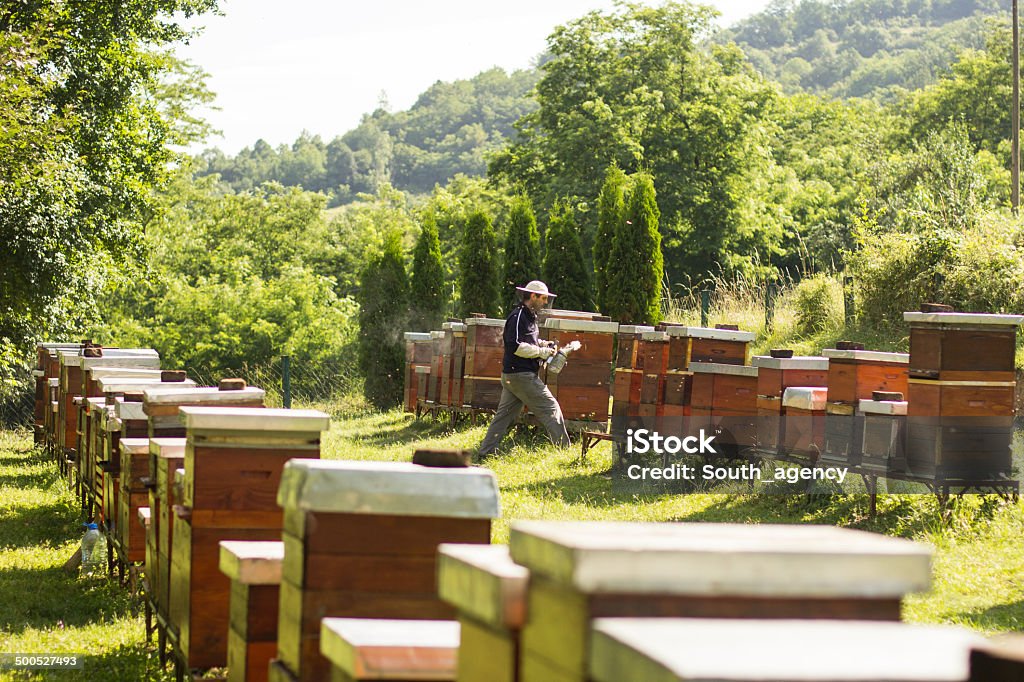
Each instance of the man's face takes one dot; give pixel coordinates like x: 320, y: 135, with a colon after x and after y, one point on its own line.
x: 537, y: 302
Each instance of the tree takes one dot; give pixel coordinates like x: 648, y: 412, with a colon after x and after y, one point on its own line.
x: 565, y: 270
x: 383, y: 300
x: 634, y: 284
x: 478, y: 266
x: 428, y: 294
x: 610, y: 206
x: 522, y: 250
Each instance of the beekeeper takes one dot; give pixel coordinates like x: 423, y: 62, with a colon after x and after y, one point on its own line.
x: 520, y: 385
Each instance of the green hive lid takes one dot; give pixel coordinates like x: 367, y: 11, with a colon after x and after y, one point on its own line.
x: 204, y: 394
x: 399, y: 488
x: 372, y: 649
x: 866, y: 356
x: 167, y: 447
x: 709, y: 333
x: 721, y: 559
x: 964, y: 318
x: 252, y: 419
x: 482, y: 581
x: 740, y: 650
x: 252, y: 562
x: 805, y: 362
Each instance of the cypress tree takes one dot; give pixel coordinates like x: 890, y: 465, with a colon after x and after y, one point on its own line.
x: 565, y: 270
x: 478, y: 266
x: 610, y: 207
x: 383, y: 305
x: 522, y: 250
x: 428, y: 295
x: 636, y: 265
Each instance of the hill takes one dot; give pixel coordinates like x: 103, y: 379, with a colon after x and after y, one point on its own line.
x: 861, y: 48
x: 449, y: 130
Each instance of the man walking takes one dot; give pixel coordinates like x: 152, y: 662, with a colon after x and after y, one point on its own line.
x: 520, y: 385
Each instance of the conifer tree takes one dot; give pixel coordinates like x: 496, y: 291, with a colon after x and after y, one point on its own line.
x: 428, y: 296
x: 478, y: 266
x: 610, y: 207
x: 636, y: 266
x: 565, y: 270
x: 522, y: 250
x: 383, y: 305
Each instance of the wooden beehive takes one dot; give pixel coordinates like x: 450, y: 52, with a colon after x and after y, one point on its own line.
x: 855, y: 374
x: 627, y: 344
x: 166, y: 456
x: 417, y: 354
x: 727, y: 394
x: 234, y: 458
x: 162, y: 405
x: 254, y: 569
x: 684, y: 649
x: 485, y: 350
x: 47, y: 368
x: 581, y: 571
x: 133, y: 495
x: 775, y: 375
x: 453, y: 362
x: 365, y: 649
x: 361, y: 542
x: 488, y: 591
x: 584, y: 386
x: 701, y: 344
x: 1000, y: 659
x: 422, y: 382
x: 803, y: 429
x: 883, y: 436
x: 434, y: 382
x: 961, y: 395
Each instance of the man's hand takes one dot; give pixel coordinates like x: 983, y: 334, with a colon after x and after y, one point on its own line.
x: 544, y: 343
x: 546, y: 352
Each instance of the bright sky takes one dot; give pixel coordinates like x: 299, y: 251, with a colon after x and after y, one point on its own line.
x: 281, y: 67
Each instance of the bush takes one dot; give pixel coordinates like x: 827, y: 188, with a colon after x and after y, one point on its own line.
x: 819, y: 305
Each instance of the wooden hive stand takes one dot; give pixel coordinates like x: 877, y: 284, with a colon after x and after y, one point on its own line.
x: 361, y: 542
x: 254, y: 569
x: 683, y: 649
x: 234, y: 459
x: 488, y: 590
x: 365, y: 649
x: 580, y: 571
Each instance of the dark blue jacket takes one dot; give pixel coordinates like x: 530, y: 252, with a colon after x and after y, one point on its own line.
x: 520, y: 327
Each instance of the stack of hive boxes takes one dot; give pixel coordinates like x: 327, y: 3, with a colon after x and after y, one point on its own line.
x: 417, y: 354
x: 234, y: 459
x: 583, y: 387
x: 629, y: 375
x: 883, y: 436
x: 453, y: 362
x: 652, y: 357
x: 855, y: 374
x: 961, y: 395
x: 166, y: 455
x: 774, y: 376
x: 803, y: 433
x: 254, y: 569
x: 360, y: 541
x: 162, y: 405
x: 134, y: 469
x: 581, y: 571
x: 434, y: 380
x: 47, y: 367
x: 724, y: 399
x: 485, y: 349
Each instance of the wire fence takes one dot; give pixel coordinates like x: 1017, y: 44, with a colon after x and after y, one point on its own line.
x: 285, y: 381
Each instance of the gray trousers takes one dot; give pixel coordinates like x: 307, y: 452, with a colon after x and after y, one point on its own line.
x: 525, y: 388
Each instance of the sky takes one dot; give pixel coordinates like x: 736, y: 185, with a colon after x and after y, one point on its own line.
x: 279, y: 68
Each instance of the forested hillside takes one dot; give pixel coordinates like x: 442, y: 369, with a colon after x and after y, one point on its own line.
x: 861, y: 48
x: 449, y: 130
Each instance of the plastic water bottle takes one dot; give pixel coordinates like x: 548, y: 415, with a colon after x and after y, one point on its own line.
x: 94, y: 548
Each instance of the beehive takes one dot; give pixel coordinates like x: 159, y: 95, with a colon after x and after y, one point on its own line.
x: 133, y: 495
x: 453, y: 362
x: 702, y: 344
x: 683, y: 649
x: 961, y: 395
x: 583, y: 387
x: 883, y: 439
x: 485, y: 350
x: 774, y: 376
x: 234, y: 458
x: 488, y: 590
x: 725, y: 397
x: 803, y: 429
x: 434, y: 382
x: 581, y: 571
x: 254, y: 569
x: 166, y: 456
x: 363, y: 649
x: 417, y: 354
x: 361, y: 542
x: 162, y: 405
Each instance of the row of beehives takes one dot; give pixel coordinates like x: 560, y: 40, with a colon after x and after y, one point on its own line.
x: 286, y: 567
x: 944, y: 410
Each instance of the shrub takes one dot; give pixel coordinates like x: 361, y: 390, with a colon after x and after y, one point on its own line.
x: 819, y: 305
x: 522, y: 250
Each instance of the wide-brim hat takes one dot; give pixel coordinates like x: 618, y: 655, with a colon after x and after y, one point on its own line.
x: 536, y: 287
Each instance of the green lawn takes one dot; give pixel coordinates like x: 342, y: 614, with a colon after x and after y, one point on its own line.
x: 979, y: 557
